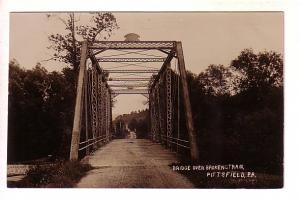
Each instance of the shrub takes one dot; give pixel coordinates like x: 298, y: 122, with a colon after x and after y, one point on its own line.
x: 59, y: 175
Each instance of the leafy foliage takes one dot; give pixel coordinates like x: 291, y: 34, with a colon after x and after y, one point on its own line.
x: 67, y: 46
x: 258, y: 71
x: 215, y: 80
x: 40, y: 113
x: 58, y: 175
x: 104, y: 24
x: 140, y: 125
x: 120, y: 129
x: 241, y: 124
x: 137, y: 121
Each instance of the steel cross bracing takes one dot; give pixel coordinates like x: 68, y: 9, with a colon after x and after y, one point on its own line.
x: 129, y: 85
x: 125, y: 73
x: 135, y: 73
x: 129, y: 79
x: 130, y: 59
x: 131, y: 71
x: 130, y: 91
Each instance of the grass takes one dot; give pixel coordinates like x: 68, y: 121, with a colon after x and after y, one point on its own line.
x: 58, y: 175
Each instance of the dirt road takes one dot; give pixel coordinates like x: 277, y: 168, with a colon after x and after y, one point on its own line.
x: 133, y: 163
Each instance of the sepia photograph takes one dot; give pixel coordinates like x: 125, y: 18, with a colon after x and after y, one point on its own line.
x: 146, y: 100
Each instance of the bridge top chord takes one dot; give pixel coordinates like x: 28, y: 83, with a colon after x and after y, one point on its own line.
x: 133, y: 45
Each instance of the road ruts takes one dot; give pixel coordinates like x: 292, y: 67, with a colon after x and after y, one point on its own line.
x: 133, y: 163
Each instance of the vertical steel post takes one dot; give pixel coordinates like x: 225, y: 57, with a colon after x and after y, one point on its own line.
x: 154, y: 116
x: 94, y: 103
x: 187, y: 104
x: 99, y: 90
x: 110, y: 114
x: 78, y: 105
x: 150, y: 133
x: 85, y: 80
x: 102, y: 112
x: 169, y: 105
x: 107, y: 113
x: 159, y: 108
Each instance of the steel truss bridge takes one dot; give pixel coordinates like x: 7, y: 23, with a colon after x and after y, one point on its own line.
x: 154, y: 69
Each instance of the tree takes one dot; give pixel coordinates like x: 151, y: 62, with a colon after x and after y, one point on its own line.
x: 120, y: 128
x: 247, y: 125
x: 132, y: 125
x: 67, y: 45
x: 258, y: 71
x: 215, y: 80
x: 39, y: 113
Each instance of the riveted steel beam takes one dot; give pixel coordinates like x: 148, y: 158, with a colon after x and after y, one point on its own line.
x: 132, y: 71
x: 133, y: 45
x: 130, y: 59
x: 129, y: 85
x: 129, y: 79
x: 130, y: 91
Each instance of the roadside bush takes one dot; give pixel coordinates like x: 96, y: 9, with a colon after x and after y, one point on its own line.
x: 59, y: 175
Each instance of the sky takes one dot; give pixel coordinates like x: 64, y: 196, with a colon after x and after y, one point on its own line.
x: 207, y: 38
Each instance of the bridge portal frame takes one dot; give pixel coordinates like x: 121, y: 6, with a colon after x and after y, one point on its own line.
x: 171, y: 48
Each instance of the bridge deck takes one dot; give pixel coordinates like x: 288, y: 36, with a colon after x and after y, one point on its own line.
x: 133, y: 163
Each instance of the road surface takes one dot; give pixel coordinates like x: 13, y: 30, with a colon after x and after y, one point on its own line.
x: 133, y: 163
x: 132, y: 135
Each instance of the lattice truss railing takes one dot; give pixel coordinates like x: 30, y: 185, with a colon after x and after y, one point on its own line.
x: 96, y: 112
x: 167, y: 121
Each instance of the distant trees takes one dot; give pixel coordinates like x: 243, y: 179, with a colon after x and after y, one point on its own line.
x: 120, y: 129
x: 137, y: 121
x: 132, y: 124
x: 140, y: 126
